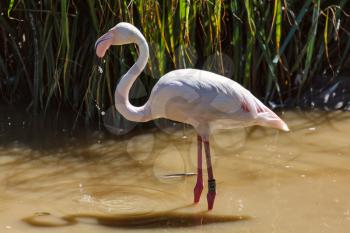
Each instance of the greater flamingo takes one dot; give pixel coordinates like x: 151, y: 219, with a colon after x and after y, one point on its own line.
x: 205, y: 100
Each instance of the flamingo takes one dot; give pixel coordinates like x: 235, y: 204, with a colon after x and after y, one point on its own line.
x: 203, y: 99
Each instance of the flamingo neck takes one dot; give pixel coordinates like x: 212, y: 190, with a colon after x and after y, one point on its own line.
x: 122, y: 103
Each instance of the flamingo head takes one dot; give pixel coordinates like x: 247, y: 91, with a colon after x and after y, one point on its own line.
x: 122, y: 33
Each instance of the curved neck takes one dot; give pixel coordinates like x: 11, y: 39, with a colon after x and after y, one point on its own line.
x: 122, y: 102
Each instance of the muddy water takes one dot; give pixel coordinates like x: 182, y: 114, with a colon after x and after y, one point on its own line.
x: 267, y: 181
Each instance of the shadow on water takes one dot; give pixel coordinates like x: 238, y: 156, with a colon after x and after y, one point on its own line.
x: 159, y: 219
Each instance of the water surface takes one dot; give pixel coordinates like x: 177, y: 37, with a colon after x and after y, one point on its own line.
x: 267, y: 181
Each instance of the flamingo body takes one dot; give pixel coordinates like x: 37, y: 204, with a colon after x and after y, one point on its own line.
x: 208, y: 101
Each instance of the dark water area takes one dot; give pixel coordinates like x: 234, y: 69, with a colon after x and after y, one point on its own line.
x: 40, y: 131
x: 55, y: 129
x: 324, y: 93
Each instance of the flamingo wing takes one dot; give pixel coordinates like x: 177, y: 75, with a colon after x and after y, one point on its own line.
x: 261, y: 114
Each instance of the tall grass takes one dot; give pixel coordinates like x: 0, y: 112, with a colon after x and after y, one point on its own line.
x: 275, y: 48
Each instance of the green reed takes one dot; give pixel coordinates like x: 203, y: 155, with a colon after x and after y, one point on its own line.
x: 275, y: 48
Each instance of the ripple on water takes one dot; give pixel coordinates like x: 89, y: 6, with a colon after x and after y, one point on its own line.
x: 121, y: 199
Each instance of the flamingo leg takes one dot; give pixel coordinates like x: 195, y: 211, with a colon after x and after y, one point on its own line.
x: 211, y: 181
x: 199, y: 185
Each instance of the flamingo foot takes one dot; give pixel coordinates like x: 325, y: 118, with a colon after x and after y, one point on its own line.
x: 198, y: 191
x: 211, y: 193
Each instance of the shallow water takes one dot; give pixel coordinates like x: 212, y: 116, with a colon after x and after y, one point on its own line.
x: 267, y: 181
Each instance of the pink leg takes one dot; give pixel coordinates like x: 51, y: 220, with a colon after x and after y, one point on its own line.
x: 211, y: 181
x: 199, y: 185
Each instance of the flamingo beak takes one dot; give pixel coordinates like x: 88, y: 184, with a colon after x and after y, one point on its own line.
x: 103, y: 43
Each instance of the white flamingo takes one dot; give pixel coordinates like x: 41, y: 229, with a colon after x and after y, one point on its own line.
x: 205, y: 100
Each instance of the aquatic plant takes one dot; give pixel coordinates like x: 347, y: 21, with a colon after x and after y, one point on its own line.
x: 274, y: 48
